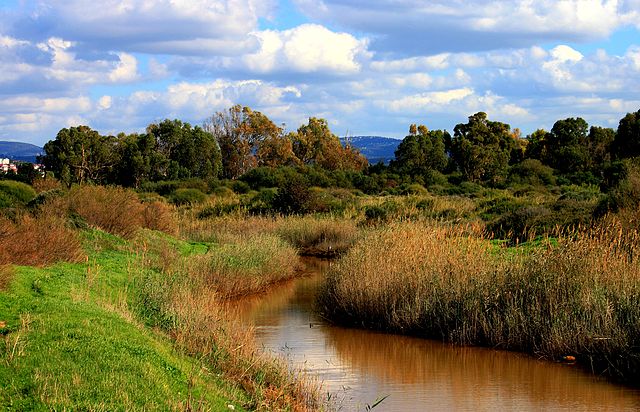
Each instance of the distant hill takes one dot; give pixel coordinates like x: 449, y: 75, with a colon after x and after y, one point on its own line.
x: 24, y: 152
x: 375, y: 148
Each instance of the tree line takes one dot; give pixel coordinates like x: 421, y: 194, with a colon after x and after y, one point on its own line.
x: 487, y: 152
x: 239, y: 140
x: 229, y: 144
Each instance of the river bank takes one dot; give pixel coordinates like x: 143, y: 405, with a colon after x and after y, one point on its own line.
x: 357, y: 367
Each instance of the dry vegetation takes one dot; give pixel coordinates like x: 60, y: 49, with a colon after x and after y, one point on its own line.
x: 187, y: 296
x: 578, y: 298
x: 38, y: 241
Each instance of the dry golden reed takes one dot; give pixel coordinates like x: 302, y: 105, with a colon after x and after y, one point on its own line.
x: 579, y: 297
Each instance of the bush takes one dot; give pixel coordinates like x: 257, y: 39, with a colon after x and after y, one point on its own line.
x: 38, y: 241
x: 14, y: 194
x: 294, y: 197
x: 240, y: 187
x: 187, y: 197
x: 46, y: 196
x: 112, y: 209
x: 264, y: 177
x: 531, y: 172
x: 158, y: 215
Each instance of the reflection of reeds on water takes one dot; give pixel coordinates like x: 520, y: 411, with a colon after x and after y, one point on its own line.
x: 487, y: 377
x: 269, y: 304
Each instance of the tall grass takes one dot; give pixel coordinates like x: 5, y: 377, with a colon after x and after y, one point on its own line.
x: 189, y: 301
x: 310, y: 235
x: 247, y: 265
x: 579, y: 298
x: 115, y: 210
x: 326, y: 236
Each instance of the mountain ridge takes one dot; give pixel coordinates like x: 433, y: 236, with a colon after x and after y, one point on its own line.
x: 374, y: 148
x: 24, y: 152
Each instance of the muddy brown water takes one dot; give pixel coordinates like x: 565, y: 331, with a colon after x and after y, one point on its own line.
x: 358, y: 367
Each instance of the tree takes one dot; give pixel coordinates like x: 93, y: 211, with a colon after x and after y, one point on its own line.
x: 421, y: 152
x: 183, y: 151
x: 536, y: 145
x: 599, y: 143
x: 566, y: 145
x: 79, y: 155
x: 315, y: 144
x: 627, y: 141
x: 140, y: 160
x: 240, y: 132
x: 482, y: 148
x: 277, y: 151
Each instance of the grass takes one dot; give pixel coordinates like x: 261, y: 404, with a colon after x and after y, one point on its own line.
x: 112, y: 333
x: 71, y: 342
x: 188, y: 299
x: 325, y: 236
x: 245, y: 264
x: 575, y: 295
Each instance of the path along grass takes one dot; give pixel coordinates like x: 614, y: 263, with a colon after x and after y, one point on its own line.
x: 577, y: 296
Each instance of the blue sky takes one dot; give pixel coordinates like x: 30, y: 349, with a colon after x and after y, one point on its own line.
x: 367, y: 67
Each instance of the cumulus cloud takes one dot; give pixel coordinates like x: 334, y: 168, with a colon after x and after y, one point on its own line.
x: 37, y: 119
x: 307, y: 48
x: 159, y: 26
x: 412, y: 27
x: 52, y: 66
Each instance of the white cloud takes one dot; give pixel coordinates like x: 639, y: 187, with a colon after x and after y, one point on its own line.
x: 126, y: 70
x: 427, y: 101
x: 307, y: 48
x: 161, y: 26
x: 105, y: 102
x: 411, y: 27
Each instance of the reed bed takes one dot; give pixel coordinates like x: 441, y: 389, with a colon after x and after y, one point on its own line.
x: 577, y: 296
x: 248, y: 265
x: 326, y: 236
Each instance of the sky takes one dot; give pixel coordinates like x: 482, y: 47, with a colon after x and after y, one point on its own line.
x: 369, y: 68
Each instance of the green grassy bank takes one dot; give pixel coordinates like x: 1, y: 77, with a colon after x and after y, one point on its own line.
x: 131, y: 328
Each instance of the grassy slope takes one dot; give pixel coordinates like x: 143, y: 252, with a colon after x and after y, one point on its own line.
x: 71, y: 342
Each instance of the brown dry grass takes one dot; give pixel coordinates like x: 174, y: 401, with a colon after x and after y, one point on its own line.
x: 311, y: 235
x: 115, y: 210
x: 112, y: 209
x: 38, y: 241
x: 6, y: 275
x: 43, y: 184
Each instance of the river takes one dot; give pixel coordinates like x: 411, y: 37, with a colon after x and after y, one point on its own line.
x: 359, y: 367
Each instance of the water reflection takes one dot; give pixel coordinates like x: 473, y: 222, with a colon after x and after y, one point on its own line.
x: 359, y: 366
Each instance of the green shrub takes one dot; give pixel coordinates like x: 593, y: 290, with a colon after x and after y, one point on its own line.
x: 531, y: 172
x: 187, y: 197
x: 14, y: 193
x: 240, y: 187
x: 294, y: 197
x: 45, y: 197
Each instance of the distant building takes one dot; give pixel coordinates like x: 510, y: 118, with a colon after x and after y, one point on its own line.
x: 6, y: 166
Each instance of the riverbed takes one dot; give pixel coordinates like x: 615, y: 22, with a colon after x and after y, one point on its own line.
x: 357, y: 367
